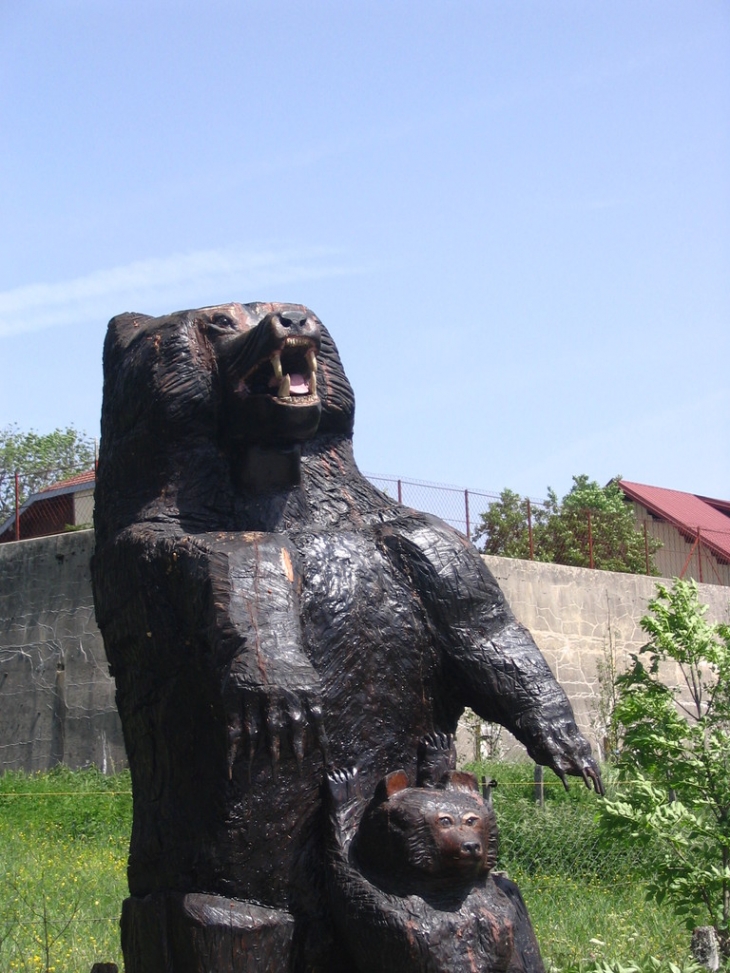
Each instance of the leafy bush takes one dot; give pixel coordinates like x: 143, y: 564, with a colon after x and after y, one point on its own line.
x: 674, y: 759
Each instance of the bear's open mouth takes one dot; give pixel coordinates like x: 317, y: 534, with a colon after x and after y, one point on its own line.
x: 288, y: 375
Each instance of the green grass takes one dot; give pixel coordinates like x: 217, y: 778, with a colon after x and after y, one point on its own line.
x: 63, y: 852
x: 63, y: 849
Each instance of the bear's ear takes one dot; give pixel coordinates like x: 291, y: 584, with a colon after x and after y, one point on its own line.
x: 461, y: 780
x: 390, y: 785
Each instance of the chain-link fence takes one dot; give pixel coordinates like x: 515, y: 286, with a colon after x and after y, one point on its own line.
x: 660, y: 549
x: 457, y: 506
x: 665, y: 550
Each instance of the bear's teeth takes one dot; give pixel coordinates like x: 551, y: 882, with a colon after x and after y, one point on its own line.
x: 285, y: 388
x: 313, y: 380
x: 276, y: 365
x: 312, y: 361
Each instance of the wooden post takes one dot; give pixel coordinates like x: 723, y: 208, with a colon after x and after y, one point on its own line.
x: 539, y: 779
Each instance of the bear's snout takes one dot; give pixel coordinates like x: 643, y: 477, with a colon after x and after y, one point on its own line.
x: 471, y: 849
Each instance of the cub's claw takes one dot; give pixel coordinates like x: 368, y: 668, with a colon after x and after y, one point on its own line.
x: 252, y: 732
x: 345, y: 800
x: 342, y: 784
x: 317, y: 721
x: 437, y: 740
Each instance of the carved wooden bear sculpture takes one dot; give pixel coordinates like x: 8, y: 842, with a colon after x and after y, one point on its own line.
x: 410, y: 879
x: 264, y: 610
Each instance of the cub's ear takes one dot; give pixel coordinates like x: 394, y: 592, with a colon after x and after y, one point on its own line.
x: 390, y: 785
x: 461, y: 780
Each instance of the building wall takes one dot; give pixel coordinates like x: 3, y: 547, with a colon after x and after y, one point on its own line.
x: 57, y: 699
x: 680, y: 554
x: 83, y: 506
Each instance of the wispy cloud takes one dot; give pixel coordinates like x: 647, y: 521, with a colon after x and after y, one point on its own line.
x: 163, y: 284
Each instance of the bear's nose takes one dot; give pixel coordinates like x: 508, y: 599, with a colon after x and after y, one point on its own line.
x: 472, y: 848
x: 293, y: 326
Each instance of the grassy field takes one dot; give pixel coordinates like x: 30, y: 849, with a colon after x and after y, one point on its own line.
x: 63, y: 845
x: 63, y: 851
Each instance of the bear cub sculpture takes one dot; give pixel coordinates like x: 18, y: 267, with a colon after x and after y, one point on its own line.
x: 410, y: 874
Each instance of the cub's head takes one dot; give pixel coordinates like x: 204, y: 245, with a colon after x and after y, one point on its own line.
x: 418, y: 839
x: 186, y: 392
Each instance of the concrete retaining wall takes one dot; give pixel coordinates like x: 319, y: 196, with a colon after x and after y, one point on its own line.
x: 57, y: 699
x: 56, y: 696
x: 583, y: 621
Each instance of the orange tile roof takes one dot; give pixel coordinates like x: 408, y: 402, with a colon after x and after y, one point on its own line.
x: 79, y: 479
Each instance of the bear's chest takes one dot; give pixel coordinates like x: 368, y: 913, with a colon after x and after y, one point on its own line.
x: 368, y: 636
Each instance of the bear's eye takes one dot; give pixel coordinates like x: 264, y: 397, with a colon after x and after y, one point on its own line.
x: 222, y: 321
x: 446, y: 821
x: 470, y: 820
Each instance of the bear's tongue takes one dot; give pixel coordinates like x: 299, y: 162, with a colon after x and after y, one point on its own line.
x: 299, y: 384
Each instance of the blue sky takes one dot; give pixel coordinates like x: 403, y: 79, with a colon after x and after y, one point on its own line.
x: 512, y: 216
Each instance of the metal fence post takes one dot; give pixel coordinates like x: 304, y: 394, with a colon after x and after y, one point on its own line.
x: 529, y: 529
x: 466, y: 509
x: 400, y: 492
x: 699, y: 553
x: 17, y: 506
x: 590, y: 540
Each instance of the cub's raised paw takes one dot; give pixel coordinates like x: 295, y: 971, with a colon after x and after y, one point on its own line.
x: 436, y: 758
x: 343, y: 785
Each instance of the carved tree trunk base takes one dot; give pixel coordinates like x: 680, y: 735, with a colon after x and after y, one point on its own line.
x: 169, y: 932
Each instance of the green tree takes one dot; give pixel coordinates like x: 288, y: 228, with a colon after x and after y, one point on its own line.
x: 674, y: 758
x: 588, y: 518
x: 505, y: 527
x: 39, y: 460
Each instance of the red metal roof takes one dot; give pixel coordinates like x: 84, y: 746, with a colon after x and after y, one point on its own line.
x: 687, y: 512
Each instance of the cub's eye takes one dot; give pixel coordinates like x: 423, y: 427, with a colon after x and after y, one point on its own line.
x: 446, y: 821
x: 470, y: 820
